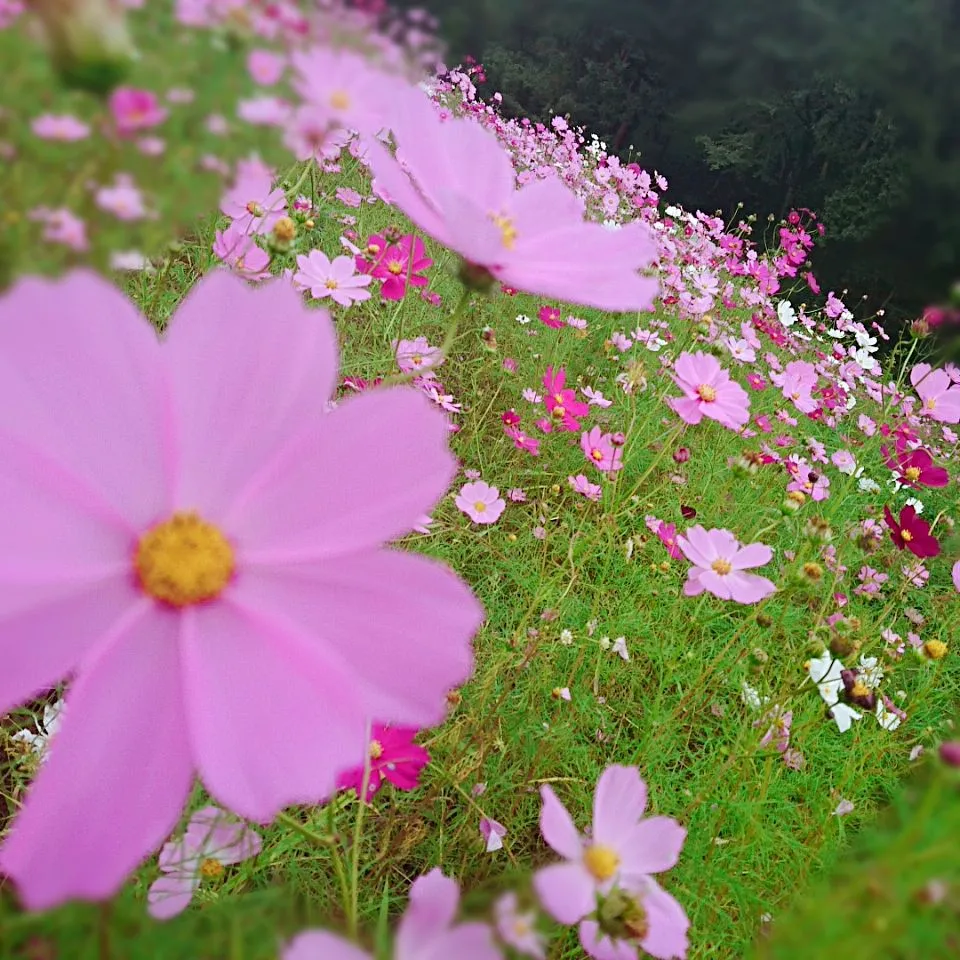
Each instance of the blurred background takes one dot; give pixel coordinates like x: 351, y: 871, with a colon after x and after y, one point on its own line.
x: 848, y: 107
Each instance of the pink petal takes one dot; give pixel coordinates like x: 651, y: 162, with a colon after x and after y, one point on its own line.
x: 566, y: 891
x: 118, y: 773
x: 327, y: 493
x: 692, y: 587
x: 652, y: 846
x: 667, y: 936
x: 718, y: 585
x: 398, y: 624
x: 248, y: 366
x: 753, y: 555
x: 170, y: 894
x: 698, y: 546
x: 466, y: 941
x: 601, y: 947
x: 244, y: 670
x: 46, y: 630
x: 618, y: 803
x: 321, y: 945
x: 212, y: 833
x: 432, y: 908
x: 687, y: 409
x: 557, y: 826
x: 91, y: 409
x: 749, y: 588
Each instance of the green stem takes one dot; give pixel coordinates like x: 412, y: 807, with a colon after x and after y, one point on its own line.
x: 352, y: 909
x: 318, y: 838
x: 301, y: 180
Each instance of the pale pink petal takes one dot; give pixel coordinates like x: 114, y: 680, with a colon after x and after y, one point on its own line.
x: 250, y: 368
x: 698, y: 546
x: 432, y: 908
x: 753, y: 555
x: 330, y: 492
x: 46, y: 629
x: 566, y: 891
x: 687, y: 370
x: 652, y: 846
x: 467, y: 941
x: 170, y: 894
x: 718, y: 585
x: 213, y: 833
x: 557, y: 826
x: 59, y: 404
x: 687, y: 409
x: 601, y: 947
x: 618, y: 803
x: 667, y: 936
x: 748, y: 587
x: 692, y: 587
x: 241, y: 666
x: 400, y: 624
x: 321, y: 945
x: 118, y: 772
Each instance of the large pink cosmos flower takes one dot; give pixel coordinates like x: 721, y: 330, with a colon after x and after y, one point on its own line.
x: 457, y: 183
x: 718, y: 564
x: 708, y: 392
x: 427, y: 930
x: 616, y: 865
x: 940, y: 396
x: 914, y: 467
x: 197, y: 544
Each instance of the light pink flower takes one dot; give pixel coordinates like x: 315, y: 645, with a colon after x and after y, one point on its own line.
x: 252, y: 202
x: 211, y: 842
x: 600, y: 450
x: 708, y: 392
x: 64, y: 127
x: 623, y: 851
x: 956, y: 575
x: 516, y: 929
x: 940, y: 396
x: 239, y: 251
x: 122, y: 199
x: 457, y: 183
x: 718, y: 564
x: 195, y: 577
x: 348, y: 196
x: 580, y: 484
x: 265, y: 67
x: 417, y: 355
x: 337, y: 279
x: 427, y: 930
x: 135, y: 110
x: 62, y: 226
x: 480, y: 502
x: 493, y: 834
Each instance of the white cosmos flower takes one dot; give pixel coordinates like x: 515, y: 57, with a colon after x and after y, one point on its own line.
x: 786, y: 313
x: 824, y: 671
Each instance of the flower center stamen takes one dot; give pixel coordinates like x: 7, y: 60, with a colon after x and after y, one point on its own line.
x: 912, y: 474
x: 907, y: 535
x: 706, y: 393
x: 508, y: 232
x: 601, y: 861
x: 184, y: 560
x: 376, y: 750
x: 721, y: 566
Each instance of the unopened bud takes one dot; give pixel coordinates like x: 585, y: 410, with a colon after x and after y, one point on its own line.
x: 950, y: 753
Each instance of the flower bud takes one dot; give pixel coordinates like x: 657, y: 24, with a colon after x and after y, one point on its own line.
x: 88, y: 40
x: 950, y: 753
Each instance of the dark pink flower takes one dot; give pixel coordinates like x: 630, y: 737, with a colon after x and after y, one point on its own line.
x: 135, y: 110
x: 601, y: 451
x: 393, y: 757
x: 911, y: 533
x: 914, y: 467
x: 550, y: 317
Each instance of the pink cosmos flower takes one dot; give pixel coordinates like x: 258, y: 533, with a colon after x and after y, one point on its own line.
x: 135, y: 110
x: 457, y: 183
x: 718, y: 564
x: 397, y: 265
x: 797, y: 382
x: 239, y: 251
x: 417, y: 355
x: 523, y: 442
x: 195, y: 577
x: 598, y: 447
x: 956, y: 575
x: 349, y: 197
x: 615, y: 865
x: 667, y: 534
x: 493, y: 833
x: 427, y: 930
x: 211, y: 842
x: 914, y: 467
x: 122, y: 199
x: 393, y: 757
x: 708, y: 391
x: 480, y: 502
x: 550, y: 317
x: 911, y: 533
x: 940, y: 396
x: 62, y: 226
x: 516, y: 929
x: 580, y: 484
x: 562, y: 403
x: 265, y: 67
x: 63, y: 127
x: 337, y: 279
x: 251, y: 202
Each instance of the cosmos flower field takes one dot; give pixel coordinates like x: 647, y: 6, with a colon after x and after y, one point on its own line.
x: 448, y: 545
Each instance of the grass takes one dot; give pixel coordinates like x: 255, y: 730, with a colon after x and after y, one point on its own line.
x: 759, y: 833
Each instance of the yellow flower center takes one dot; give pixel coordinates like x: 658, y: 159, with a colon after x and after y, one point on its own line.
x: 331, y: 284
x: 860, y: 690
x: 395, y: 267
x: 184, y: 560
x: 706, y: 393
x: 376, y: 750
x: 508, y: 233
x: 559, y: 412
x: 907, y: 536
x: 479, y: 506
x: 935, y: 649
x: 340, y: 100
x: 211, y: 868
x: 912, y: 474
x: 597, y: 455
x: 601, y: 861
x: 931, y: 405
x: 721, y: 566
x: 254, y: 209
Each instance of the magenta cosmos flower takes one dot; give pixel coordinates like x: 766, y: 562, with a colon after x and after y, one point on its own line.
x: 393, y: 757
x: 719, y: 563
x: 598, y: 447
x: 911, y: 533
x: 211, y: 842
x: 337, y: 279
x: 915, y: 468
x: 426, y: 931
x: 609, y: 875
x: 939, y: 395
x: 135, y: 110
x: 456, y: 182
x: 190, y: 538
x: 481, y: 502
x: 708, y: 391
